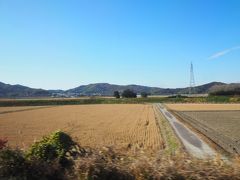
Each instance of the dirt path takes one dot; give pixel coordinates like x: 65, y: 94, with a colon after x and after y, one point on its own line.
x: 191, y: 141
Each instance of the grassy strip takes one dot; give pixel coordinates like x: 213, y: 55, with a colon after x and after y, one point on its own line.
x: 172, y: 143
x: 44, y: 102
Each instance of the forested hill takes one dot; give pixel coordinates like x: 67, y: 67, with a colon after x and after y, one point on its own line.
x: 108, y: 89
x: 103, y: 89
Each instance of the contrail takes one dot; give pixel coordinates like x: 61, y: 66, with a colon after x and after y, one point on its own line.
x: 224, y: 52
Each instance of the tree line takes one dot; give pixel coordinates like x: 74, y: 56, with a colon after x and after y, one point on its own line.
x: 128, y: 94
x: 226, y: 90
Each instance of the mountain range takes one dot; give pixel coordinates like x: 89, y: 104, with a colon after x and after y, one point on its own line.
x: 11, y: 91
x: 99, y: 89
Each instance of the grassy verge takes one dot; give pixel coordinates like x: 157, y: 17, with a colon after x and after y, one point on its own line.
x: 44, y: 102
x: 172, y: 144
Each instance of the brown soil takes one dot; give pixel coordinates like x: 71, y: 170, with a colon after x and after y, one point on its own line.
x: 203, y: 107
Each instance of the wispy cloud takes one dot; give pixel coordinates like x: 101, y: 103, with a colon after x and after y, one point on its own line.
x: 224, y: 52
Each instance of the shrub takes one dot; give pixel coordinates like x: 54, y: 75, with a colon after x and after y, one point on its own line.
x: 52, y: 147
x: 12, y: 164
x: 39, y: 169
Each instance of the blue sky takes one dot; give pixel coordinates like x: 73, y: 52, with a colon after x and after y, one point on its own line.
x: 60, y: 44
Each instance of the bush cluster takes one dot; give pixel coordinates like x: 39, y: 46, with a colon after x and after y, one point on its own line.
x: 46, y: 159
x: 51, y: 147
x: 15, y: 166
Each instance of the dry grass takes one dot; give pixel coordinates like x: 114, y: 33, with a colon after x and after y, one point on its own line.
x: 124, y: 126
x: 108, y: 163
x: 203, y: 107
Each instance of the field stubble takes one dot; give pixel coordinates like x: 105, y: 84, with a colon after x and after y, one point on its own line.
x: 123, y: 126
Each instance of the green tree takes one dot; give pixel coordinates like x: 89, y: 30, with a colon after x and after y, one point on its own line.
x: 116, y: 94
x: 129, y: 94
x: 144, y: 95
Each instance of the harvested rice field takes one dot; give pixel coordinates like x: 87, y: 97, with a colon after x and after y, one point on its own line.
x: 123, y: 126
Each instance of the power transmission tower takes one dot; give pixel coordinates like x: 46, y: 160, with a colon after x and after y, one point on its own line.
x: 192, y: 80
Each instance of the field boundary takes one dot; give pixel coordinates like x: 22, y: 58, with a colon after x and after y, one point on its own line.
x: 29, y: 109
x: 224, y: 142
x: 172, y: 142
